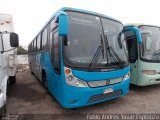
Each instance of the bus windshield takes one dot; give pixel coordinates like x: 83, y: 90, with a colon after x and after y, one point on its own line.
x: 150, y: 49
x: 86, y: 35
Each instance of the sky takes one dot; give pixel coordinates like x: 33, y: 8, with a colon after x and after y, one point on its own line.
x: 30, y: 16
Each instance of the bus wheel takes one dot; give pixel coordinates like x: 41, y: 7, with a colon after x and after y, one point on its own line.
x: 32, y: 72
x: 12, y: 80
x: 31, y: 69
x: 2, y: 112
x: 8, y: 87
x: 44, y: 80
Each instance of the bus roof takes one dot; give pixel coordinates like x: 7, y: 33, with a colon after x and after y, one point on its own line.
x: 76, y: 10
x: 89, y: 12
x: 138, y: 25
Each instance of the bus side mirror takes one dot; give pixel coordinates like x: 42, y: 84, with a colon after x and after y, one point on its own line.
x: 14, y: 40
x: 63, y: 24
x: 136, y: 32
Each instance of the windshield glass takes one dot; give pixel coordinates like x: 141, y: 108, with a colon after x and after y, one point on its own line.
x: 84, y: 39
x: 150, y: 49
x: 112, y: 30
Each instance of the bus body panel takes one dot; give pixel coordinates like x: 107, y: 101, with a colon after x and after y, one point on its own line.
x: 137, y: 76
x: 8, y: 64
x: 3, y: 79
x: 64, y: 93
x: 54, y: 81
x: 91, y: 76
x: 78, y: 97
x: 144, y: 79
x: 134, y: 72
x: 70, y: 96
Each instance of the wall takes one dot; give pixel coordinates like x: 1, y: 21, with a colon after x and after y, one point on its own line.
x: 22, y: 59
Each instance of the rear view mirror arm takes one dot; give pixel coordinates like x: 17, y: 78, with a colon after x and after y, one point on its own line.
x: 7, y: 50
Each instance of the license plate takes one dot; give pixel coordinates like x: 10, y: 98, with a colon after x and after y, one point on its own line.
x: 107, y: 90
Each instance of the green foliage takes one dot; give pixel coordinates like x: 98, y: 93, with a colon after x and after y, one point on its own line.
x: 21, y: 50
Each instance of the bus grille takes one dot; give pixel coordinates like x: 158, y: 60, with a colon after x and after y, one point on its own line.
x: 100, y: 97
x: 100, y: 83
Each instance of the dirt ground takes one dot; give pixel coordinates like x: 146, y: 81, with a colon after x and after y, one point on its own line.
x: 29, y: 98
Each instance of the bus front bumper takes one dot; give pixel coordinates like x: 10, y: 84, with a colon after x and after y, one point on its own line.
x: 145, y: 80
x: 75, y: 97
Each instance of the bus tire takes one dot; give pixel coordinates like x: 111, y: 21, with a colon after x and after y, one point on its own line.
x: 44, y: 79
x: 2, y: 112
x: 8, y: 87
x: 12, y: 80
x: 31, y: 70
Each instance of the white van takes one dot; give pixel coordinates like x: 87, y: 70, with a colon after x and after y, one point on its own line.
x: 8, y: 67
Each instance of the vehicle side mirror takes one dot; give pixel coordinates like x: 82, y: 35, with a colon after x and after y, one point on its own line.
x: 63, y: 24
x: 136, y: 32
x: 14, y: 40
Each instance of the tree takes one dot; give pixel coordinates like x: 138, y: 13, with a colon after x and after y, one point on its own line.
x: 21, y: 50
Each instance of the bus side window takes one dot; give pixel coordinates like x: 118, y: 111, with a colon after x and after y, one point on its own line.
x: 0, y: 44
x: 56, y: 53
x: 35, y: 45
x: 44, y: 39
x: 32, y: 47
x: 39, y: 42
x: 132, y: 46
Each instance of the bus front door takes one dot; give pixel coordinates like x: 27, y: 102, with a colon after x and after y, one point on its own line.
x: 133, y: 38
x: 132, y: 51
x: 54, y: 83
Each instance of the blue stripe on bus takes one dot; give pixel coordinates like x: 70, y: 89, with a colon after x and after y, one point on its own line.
x: 90, y: 76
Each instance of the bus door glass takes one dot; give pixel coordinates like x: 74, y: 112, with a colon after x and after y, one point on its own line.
x: 55, y: 58
x: 131, y: 41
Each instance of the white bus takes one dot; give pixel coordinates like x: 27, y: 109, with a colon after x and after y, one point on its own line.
x: 8, y: 68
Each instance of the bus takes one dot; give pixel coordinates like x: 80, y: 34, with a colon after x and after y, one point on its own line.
x: 78, y: 58
x: 144, y: 53
x: 8, y: 67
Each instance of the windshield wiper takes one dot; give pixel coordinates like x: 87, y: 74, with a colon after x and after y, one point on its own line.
x: 116, y: 55
x: 97, y: 54
x: 110, y: 48
x: 157, y: 52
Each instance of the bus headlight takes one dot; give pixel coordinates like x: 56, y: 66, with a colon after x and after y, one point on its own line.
x: 74, y: 81
x: 126, y: 77
x: 149, y: 72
